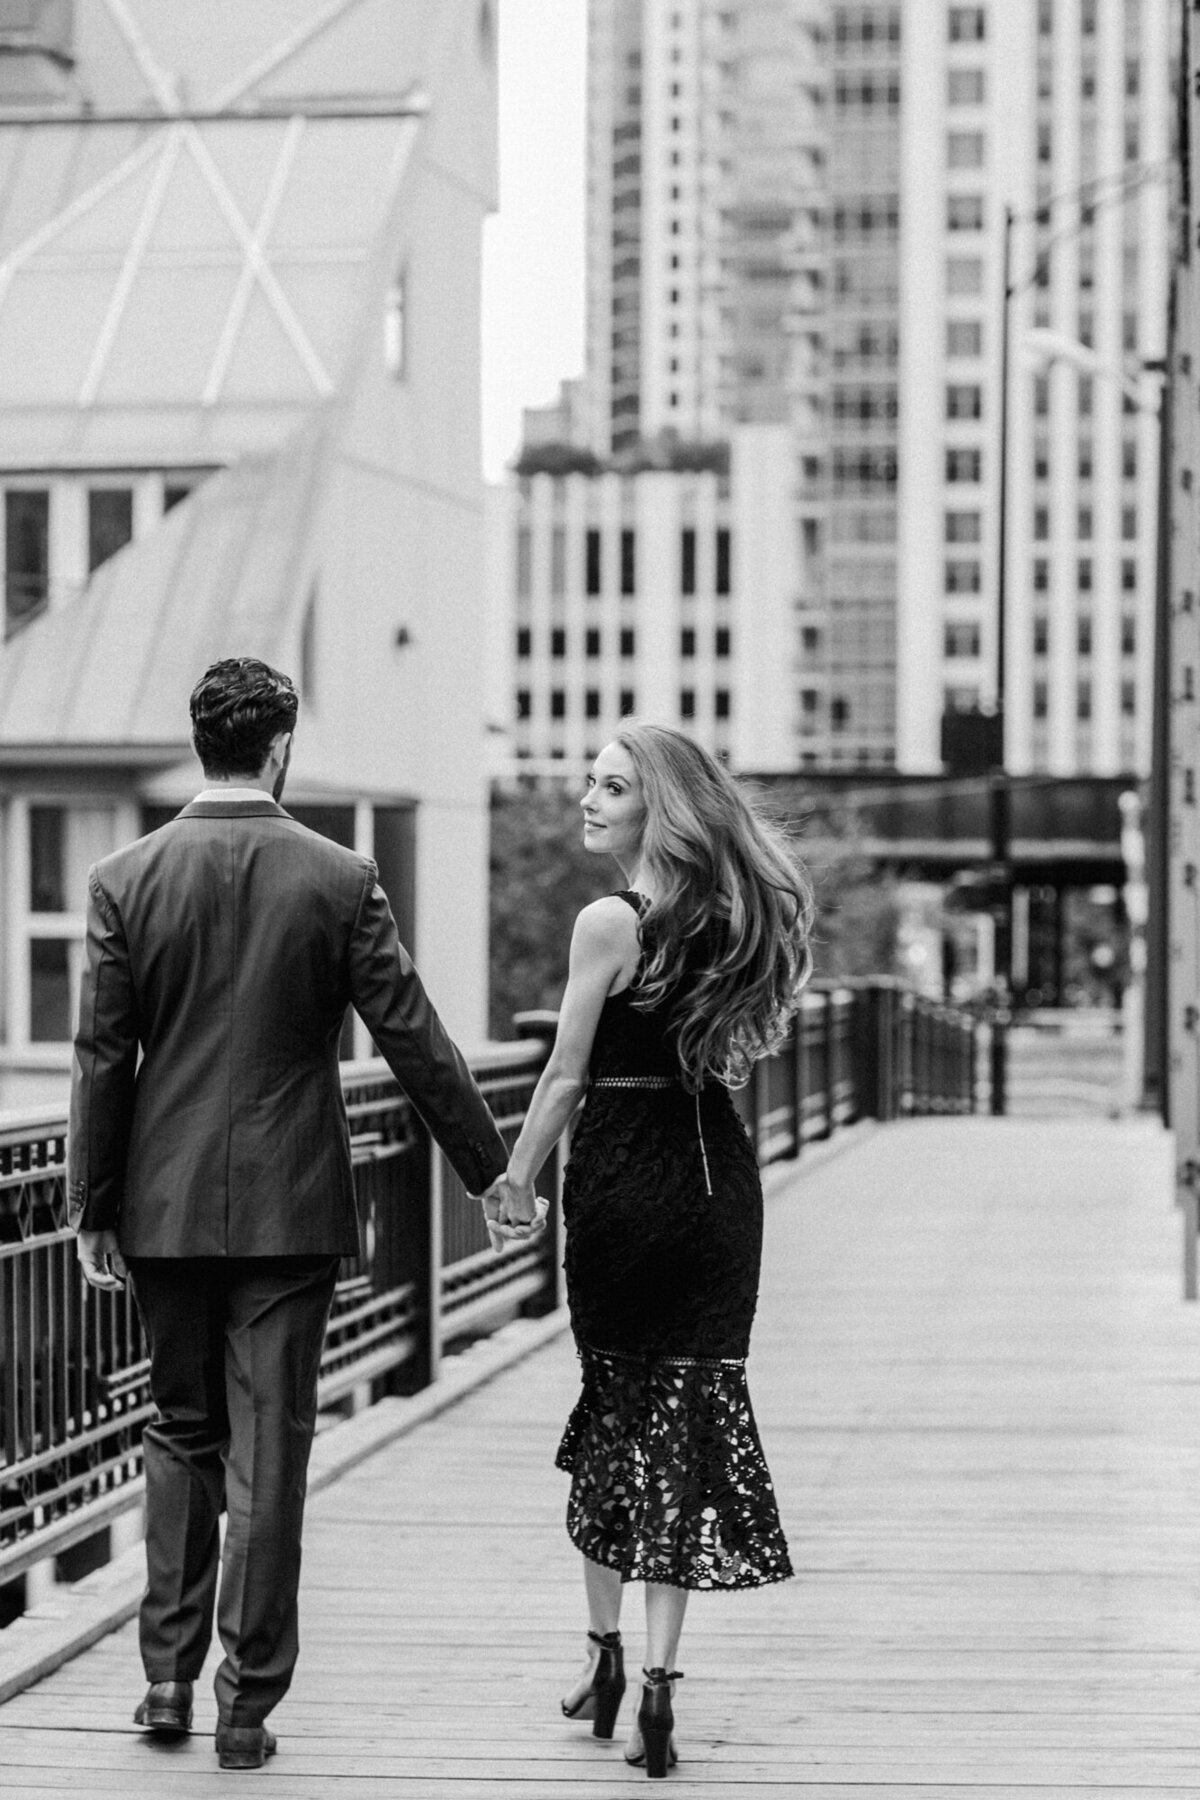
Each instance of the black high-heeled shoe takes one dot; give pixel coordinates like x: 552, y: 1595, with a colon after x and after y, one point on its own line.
x: 656, y: 1721
x: 602, y: 1701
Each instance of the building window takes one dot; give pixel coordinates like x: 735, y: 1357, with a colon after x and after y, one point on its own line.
x: 962, y: 639
x: 628, y: 562
x: 839, y: 712
x: 628, y: 642
x: 1041, y: 396
x: 1083, y: 700
x: 1128, y: 635
x: 963, y: 576
x: 724, y: 558
x: 1083, y: 575
x: 964, y: 527
x: 558, y: 641
x: 592, y: 563
x: 687, y: 641
x: 1129, y: 459
x: 64, y: 841
x: 964, y: 400
x: 1084, y: 461
x: 1041, y: 523
x: 967, y: 24
x: 26, y: 554
x: 626, y: 702
x: 964, y: 465
x: 524, y: 562
x: 687, y: 560
x: 1083, y: 635
x: 558, y: 703
x: 964, y: 337
x: 395, y: 328
x: 1128, y: 574
x: 964, y: 212
x: 1128, y: 522
x: 964, y: 275
x: 524, y: 703
x: 1041, y: 700
x: 591, y: 703
x: 1128, y: 699
x: 721, y: 703
x: 964, y: 149
x: 1041, y: 635
x: 810, y: 638
x: 964, y: 87
x: 524, y: 640
x: 722, y: 641
x: 687, y: 703
x: 591, y: 641
x: 1041, y: 575
x: 558, y: 561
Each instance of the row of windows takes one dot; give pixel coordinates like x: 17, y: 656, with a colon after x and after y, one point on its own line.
x: 627, y: 640
x: 1083, y: 574
x: 963, y: 636
x: 1083, y: 635
x: 865, y: 26
x: 593, y: 560
x: 1083, y: 699
x: 27, y: 574
x: 593, y: 703
x: 1084, y: 522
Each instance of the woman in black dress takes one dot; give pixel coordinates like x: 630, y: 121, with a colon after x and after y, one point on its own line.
x: 676, y: 985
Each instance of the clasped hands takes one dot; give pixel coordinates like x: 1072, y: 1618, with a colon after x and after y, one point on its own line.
x: 511, y: 1211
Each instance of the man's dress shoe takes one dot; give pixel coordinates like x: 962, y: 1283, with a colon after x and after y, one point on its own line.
x: 167, y: 1708
x: 244, y: 1746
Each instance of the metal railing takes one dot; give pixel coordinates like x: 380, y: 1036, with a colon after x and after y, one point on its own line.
x: 73, y: 1372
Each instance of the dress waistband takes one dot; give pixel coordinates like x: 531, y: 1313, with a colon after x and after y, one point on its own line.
x: 636, y: 1081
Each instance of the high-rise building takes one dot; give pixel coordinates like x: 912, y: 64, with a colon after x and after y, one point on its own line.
x: 796, y: 213
x: 1059, y: 110
x: 705, y: 184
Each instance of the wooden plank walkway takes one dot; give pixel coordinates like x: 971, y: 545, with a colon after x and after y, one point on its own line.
x: 980, y: 1396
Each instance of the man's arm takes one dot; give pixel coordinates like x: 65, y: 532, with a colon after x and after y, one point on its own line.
x: 102, y: 1083
x: 390, y: 998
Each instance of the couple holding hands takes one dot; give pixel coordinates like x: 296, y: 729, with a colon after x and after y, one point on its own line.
x: 208, y: 1163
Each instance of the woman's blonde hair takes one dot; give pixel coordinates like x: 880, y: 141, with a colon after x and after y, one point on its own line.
x: 733, y: 907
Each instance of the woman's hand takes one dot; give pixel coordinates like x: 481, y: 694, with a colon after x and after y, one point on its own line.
x: 511, y: 1210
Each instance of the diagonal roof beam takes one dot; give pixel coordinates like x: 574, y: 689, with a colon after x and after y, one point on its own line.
x: 130, y: 268
x: 164, y: 89
x: 78, y: 207
x: 283, y: 51
x: 241, y: 296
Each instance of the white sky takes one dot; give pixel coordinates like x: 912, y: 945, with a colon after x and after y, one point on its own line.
x: 533, y: 248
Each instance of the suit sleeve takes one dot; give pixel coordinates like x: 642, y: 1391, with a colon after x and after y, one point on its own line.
x: 390, y: 998
x: 102, y: 1071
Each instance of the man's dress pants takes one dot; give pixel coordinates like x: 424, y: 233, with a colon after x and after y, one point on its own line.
x: 235, y: 1347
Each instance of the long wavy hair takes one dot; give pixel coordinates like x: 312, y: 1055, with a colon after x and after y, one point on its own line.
x: 733, y: 909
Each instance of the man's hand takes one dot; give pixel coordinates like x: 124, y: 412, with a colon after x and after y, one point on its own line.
x: 101, y: 1260
x: 511, y: 1212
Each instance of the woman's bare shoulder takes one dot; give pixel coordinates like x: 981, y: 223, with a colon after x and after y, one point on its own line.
x: 609, y: 923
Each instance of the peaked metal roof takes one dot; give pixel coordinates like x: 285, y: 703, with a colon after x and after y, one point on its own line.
x: 221, y: 576
x: 183, y: 290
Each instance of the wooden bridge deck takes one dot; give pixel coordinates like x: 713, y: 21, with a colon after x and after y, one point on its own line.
x: 980, y: 1397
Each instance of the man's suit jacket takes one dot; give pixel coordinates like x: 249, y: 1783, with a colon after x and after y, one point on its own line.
x: 225, y: 947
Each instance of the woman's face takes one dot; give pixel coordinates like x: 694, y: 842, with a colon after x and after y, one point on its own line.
x: 613, y: 812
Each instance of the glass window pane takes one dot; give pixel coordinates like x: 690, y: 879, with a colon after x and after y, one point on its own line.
x: 110, y: 523
x: 26, y: 553
x: 47, y: 859
x: 49, y: 991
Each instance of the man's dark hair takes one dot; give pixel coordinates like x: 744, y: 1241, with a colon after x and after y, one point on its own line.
x: 238, y: 707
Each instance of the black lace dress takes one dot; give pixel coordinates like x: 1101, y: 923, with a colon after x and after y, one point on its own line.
x: 663, y: 1210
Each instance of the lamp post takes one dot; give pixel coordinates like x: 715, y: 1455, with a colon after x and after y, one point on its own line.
x: 1000, y: 875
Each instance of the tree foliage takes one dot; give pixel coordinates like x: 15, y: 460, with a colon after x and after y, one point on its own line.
x: 541, y: 876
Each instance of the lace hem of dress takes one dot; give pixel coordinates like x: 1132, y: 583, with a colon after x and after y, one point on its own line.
x: 669, y: 1482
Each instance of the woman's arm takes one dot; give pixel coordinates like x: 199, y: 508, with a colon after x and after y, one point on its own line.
x: 604, y: 953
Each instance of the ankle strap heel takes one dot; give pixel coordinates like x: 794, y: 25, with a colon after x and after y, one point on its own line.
x: 656, y: 1720
x: 602, y: 1701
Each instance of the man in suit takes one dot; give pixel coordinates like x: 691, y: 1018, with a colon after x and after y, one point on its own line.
x: 226, y: 947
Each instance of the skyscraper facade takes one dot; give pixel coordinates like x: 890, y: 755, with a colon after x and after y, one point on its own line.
x: 1059, y: 110
x: 797, y: 214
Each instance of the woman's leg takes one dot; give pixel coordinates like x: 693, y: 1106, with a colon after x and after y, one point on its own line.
x: 603, y: 1588
x: 665, y: 1607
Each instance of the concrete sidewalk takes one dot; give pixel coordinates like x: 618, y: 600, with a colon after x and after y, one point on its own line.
x: 979, y: 1393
